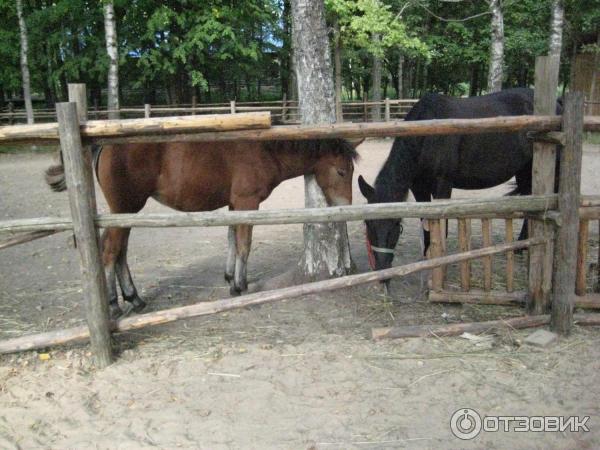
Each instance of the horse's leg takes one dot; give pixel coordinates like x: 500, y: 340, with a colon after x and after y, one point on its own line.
x: 111, y: 248
x: 443, y: 191
x: 231, y: 253
x: 422, y: 193
x: 243, y: 241
x: 128, y: 289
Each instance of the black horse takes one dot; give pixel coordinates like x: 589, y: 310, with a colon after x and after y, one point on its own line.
x: 433, y: 165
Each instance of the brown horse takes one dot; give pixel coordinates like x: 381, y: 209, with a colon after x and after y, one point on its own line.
x: 203, y: 176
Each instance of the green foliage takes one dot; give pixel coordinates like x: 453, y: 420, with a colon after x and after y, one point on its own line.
x: 360, y: 20
x: 10, y: 78
x: 222, y: 49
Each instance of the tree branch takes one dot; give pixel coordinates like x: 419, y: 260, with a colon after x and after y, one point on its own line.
x: 443, y: 19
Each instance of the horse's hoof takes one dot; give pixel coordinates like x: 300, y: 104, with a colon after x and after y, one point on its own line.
x: 228, y: 277
x: 114, y: 311
x: 234, y: 291
x: 386, y: 288
x: 137, y: 304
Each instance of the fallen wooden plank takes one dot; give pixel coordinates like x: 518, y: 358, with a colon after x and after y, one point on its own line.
x: 456, y: 329
x: 25, y: 237
x: 480, y: 297
x: 517, y: 298
x: 79, y: 334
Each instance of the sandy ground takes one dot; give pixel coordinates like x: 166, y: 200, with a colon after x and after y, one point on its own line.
x: 298, y: 374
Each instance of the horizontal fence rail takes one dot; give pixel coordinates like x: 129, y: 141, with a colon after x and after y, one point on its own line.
x: 503, y: 207
x: 198, y: 128
x: 140, y: 127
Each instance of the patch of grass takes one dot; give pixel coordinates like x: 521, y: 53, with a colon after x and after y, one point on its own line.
x: 592, y: 138
x: 27, y: 148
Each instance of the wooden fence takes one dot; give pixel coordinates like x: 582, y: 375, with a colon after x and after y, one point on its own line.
x: 282, y: 111
x: 545, y: 207
x: 497, y: 286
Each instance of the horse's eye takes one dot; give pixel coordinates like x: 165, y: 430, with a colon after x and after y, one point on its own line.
x: 341, y: 172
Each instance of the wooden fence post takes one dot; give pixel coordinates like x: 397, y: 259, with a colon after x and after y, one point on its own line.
x: 436, y: 251
x: 486, y: 236
x: 284, y: 108
x: 11, y: 110
x: 464, y: 245
x: 544, y: 165
x: 597, y: 282
x: 77, y: 95
x: 78, y: 172
x: 387, y: 109
x: 582, y: 248
x: 510, y: 256
x: 147, y: 109
x: 232, y: 106
x: 565, y: 258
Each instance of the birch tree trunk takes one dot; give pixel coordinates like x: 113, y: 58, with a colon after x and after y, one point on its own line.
x: 556, y: 28
x: 400, y: 86
x: 110, y: 30
x: 594, y: 108
x: 24, y: 63
x: 337, y: 56
x: 496, y: 70
x: 376, y: 77
x: 326, y: 250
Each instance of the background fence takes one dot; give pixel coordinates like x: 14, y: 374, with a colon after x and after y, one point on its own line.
x: 282, y: 111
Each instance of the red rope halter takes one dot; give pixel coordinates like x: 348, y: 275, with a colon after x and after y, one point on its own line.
x: 370, y: 253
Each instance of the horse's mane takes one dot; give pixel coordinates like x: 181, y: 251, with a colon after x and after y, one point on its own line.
x: 316, y: 147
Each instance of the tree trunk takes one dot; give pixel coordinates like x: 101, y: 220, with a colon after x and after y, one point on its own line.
x: 595, y: 75
x: 376, y: 83
x: 474, y: 85
x: 286, y: 51
x: 110, y: 30
x: 337, y: 56
x: 24, y: 63
x: 425, y: 78
x: 556, y: 28
x: 496, y: 70
x: 49, y: 85
x: 326, y: 249
x: 400, y: 85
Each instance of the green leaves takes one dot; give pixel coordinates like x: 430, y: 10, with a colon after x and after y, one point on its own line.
x: 188, y: 46
x: 198, y: 39
x: 360, y: 20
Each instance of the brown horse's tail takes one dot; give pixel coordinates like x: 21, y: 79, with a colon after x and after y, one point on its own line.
x: 55, y: 176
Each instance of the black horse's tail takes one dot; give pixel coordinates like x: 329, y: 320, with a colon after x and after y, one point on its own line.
x: 55, y: 174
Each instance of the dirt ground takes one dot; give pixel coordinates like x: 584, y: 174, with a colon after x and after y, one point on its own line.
x: 297, y: 374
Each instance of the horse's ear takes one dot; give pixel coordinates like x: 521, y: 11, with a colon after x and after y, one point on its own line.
x: 355, y: 142
x: 365, y: 188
